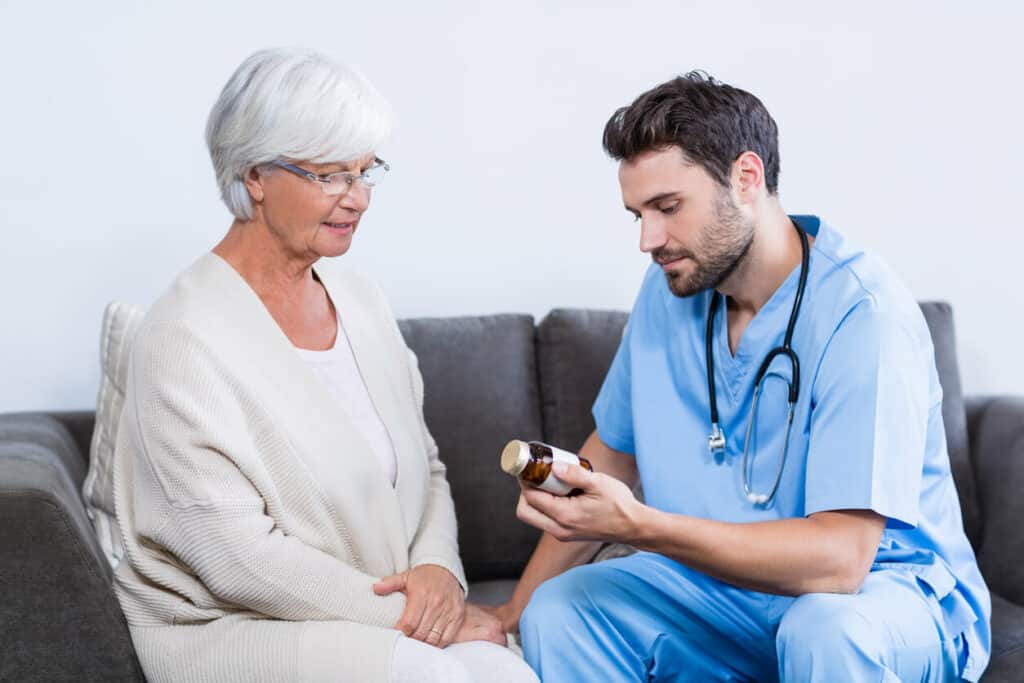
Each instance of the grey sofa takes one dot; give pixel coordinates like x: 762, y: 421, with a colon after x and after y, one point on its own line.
x: 488, y: 379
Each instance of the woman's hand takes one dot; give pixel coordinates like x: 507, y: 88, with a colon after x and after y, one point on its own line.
x: 435, y: 606
x: 505, y: 613
x: 481, y: 624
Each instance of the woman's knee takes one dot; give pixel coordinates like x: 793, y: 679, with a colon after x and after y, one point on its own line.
x: 417, y: 662
x: 492, y: 663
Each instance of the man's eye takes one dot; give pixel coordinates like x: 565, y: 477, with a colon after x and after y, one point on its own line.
x: 669, y: 209
x: 636, y: 218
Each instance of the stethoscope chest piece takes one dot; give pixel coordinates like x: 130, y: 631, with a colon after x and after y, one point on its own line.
x: 716, y: 442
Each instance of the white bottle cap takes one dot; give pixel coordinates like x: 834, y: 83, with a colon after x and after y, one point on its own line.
x: 515, y: 457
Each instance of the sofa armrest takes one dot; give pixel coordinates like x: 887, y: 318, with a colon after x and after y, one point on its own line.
x: 59, y: 618
x: 50, y: 434
x: 996, y: 429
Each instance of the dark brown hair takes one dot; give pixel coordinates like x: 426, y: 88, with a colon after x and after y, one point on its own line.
x: 713, y: 123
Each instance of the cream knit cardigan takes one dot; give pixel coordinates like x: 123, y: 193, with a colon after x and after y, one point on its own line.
x: 254, y: 516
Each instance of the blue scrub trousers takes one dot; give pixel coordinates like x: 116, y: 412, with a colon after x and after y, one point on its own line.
x: 646, y: 617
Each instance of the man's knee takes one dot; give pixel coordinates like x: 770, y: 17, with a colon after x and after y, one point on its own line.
x: 574, y: 592
x: 824, y: 627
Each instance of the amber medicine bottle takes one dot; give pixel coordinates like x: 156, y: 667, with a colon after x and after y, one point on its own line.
x: 531, y: 462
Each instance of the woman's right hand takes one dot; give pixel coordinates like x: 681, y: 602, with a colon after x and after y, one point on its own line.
x: 506, y: 613
x: 481, y: 624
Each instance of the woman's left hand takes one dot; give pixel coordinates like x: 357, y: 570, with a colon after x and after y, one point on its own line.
x: 435, y: 605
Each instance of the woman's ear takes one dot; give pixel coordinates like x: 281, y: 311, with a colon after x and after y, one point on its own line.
x: 254, y: 184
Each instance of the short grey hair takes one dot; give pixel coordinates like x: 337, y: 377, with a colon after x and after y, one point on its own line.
x: 295, y: 104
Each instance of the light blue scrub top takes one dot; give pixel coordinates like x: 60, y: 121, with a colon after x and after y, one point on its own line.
x: 867, y: 430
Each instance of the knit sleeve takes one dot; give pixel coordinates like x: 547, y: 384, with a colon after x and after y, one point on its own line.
x: 199, y: 491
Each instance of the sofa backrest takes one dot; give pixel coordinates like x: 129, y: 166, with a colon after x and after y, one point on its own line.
x: 939, y: 316
x: 574, y: 351
x: 576, y: 347
x: 480, y: 391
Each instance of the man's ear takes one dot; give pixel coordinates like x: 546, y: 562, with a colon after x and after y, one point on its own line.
x: 254, y: 184
x: 748, y: 177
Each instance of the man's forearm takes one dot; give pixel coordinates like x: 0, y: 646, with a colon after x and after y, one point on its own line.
x: 550, y: 558
x: 825, y: 553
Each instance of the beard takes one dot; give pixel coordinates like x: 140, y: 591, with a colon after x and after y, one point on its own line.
x: 723, y: 244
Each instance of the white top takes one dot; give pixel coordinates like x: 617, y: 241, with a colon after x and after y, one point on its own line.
x: 337, y: 369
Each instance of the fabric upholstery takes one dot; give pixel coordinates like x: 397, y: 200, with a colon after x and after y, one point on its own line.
x: 59, y: 620
x: 574, y: 351
x: 48, y: 433
x: 999, y: 462
x: 1007, y: 665
x: 481, y: 391
x: 80, y: 425
x: 939, y: 316
x: 975, y: 407
x: 492, y: 592
x: 120, y: 324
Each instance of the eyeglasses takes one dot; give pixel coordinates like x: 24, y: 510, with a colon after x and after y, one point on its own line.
x: 337, y: 184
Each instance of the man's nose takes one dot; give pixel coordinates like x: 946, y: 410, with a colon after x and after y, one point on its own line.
x: 652, y: 236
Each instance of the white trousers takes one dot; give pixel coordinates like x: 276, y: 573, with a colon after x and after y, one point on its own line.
x: 473, y: 662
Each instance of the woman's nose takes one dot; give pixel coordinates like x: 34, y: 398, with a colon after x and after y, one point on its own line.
x: 357, y: 198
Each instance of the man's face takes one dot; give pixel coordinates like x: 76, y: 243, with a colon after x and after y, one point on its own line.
x: 689, y: 223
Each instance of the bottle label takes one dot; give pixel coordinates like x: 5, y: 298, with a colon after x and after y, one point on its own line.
x: 553, y: 484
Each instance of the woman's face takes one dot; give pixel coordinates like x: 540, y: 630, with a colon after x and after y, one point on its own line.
x: 307, y: 222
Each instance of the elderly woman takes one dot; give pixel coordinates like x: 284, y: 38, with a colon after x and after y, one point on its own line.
x: 284, y: 511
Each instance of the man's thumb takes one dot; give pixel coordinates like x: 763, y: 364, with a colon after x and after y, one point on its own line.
x: 573, y: 475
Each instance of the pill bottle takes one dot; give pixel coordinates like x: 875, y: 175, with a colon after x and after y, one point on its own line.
x: 531, y: 462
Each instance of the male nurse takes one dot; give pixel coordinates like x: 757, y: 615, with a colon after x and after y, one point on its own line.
x: 807, y: 534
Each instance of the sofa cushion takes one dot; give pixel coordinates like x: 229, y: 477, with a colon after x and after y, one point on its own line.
x: 939, y: 316
x: 1007, y: 663
x: 575, y: 348
x: 120, y: 324
x: 480, y: 381
x: 997, y: 450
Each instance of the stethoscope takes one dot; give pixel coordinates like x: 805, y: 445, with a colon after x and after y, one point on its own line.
x: 716, y: 440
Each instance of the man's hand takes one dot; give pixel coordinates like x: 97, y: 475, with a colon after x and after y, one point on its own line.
x: 606, y: 510
x: 435, y: 606
x: 481, y: 624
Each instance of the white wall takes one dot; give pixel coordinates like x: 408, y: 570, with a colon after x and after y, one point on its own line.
x: 900, y: 123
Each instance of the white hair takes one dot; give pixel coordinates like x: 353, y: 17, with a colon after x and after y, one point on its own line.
x: 295, y: 104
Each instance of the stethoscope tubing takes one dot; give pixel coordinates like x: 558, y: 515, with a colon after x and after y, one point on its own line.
x: 716, y: 440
